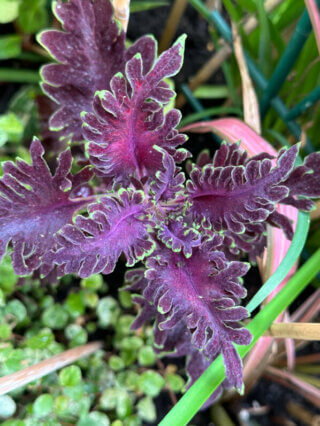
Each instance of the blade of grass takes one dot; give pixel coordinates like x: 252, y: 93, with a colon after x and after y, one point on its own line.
x: 195, y: 397
x: 309, y: 378
x: 141, y: 5
x: 9, y: 75
x: 308, y: 369
x: 233, y: 11
x: 264, y: 61
x: 287, y: 263
x: 226, y: 67
x: 211, y: 92
x: 214, y: 63
x: 209, y: 112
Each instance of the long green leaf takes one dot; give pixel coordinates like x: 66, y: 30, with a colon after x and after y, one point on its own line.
x: 19, y: 76
x: 287, y: 263
x: 139, y: 6
x: 211, y: 91
x: 264, y: 39
x: 210, y: 112
x: 196, y: 396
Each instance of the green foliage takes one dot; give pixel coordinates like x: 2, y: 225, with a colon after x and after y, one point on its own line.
x: 116, y: 363
x: 75, y: 305
x: 33, y: 15
x: 94, y: 282
x: 95, y: 418
x: 108, y: 311
x: 76, y: 334
x: 140, y: 5
x: 43, y: 405
x: 147, y: 409
x: 11, y: 128
x: 23, y: 105
x: 8, y: 279
x: 15, y: 310
x: 55, y: 317
x: 111, y: 386
x: 151, y: 383
x: 7, y: 406
x: 175, y: 382
x: 10, y: 46
x: 9, y: 10
x: 125, y: 299
x: 70, y: 376
x: 146, y: 356
x: 41, y: 340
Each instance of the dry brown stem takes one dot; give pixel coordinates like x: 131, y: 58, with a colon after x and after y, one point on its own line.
x: 294, y: 330
x: 43, y: 368
x: 122, y: 12
x: 249, y: 97
x: 172, y: 24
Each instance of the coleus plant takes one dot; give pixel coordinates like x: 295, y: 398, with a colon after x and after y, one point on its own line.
x: 186, y: 233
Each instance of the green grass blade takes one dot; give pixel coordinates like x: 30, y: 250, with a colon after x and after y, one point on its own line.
x: 209, y: 112
x: 211, y: 91
x: 288, y: 261
x: 140, y: 6
x: 232, y: 10
x: 207, y: 383
x: 264, y: 40
x: 19, y: 76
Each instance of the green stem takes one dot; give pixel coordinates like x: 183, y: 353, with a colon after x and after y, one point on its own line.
x: 10, y: 75
x: 208, y: 382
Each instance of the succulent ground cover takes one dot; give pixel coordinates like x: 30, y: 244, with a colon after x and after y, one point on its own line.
x: 109, y: 185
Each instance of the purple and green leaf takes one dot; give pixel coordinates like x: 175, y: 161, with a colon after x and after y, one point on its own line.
x: 128, y: 121
x: 34, y: 205
x: 119, y: 223
x: 89, y: 51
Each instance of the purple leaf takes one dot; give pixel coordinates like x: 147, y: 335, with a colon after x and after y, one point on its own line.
x: 34, y: 205
x: 89, y: 51
x: 179, y: 236
x: 174, y: 342
x: 203, y: 292
x: 304, y: 181
x: 168, y: 183
x: 117, y: 224
x: 240, y: 194
x: 129, y: 120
